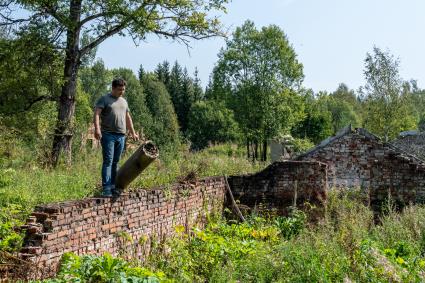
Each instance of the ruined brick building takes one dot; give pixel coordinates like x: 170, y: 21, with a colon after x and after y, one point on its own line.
x: 358, y: 159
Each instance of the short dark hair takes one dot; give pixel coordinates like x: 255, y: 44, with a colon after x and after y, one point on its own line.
x: 118, y: 82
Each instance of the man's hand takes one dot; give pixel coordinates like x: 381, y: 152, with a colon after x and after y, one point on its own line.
x: 98, y: 134
x: 135, y: 136
x: 129, y: 123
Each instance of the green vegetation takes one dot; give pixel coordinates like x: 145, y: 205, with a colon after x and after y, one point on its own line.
x: 387, y: 103
x: 269, y: 248
x: 255, y: 94
x: 75, y: 29
x: 25, y: 184
x: 258, y: 77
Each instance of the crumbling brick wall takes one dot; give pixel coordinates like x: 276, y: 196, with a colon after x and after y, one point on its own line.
x: 361, y: 160
x: 98, y: 225
x: 128, y: 224
x: 281, y: 185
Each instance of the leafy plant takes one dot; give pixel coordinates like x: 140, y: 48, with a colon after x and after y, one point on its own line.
x: 103, y: 269
x: 291, y: 226
x: 11, y: 216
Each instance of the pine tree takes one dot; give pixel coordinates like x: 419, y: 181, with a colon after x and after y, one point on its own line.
x: 198, y: 93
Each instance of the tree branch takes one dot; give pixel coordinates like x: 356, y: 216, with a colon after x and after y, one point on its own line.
x: 32, y: 102
x: 49, y: 9
x: 93, y: 17
x: 102, y: 38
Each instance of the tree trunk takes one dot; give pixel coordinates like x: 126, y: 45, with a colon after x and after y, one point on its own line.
x: 260, y: 151
x: 62, y: 140
x: 264, y: 150
x: 247, y: 149
x: 256, y: 150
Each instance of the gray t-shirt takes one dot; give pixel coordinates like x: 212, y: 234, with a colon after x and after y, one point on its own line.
x: 112, y: 117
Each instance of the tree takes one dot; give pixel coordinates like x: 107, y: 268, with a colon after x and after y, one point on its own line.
x: 164, y: 129
x: 211, y: 122
x: 198, y: 93
x: 344, y: 107
x: 258, y: 76
x: 345, y: 94
x: 64, y: 22
x: 386, y: 108
x: 95, y: 80
x: 175, y: 89
x: 187, y: 98
x: 29, y: 82
x: 141, y: 74
x: 28, y: 75
x: 317, y: 124
x: 416, y: 102
x: 162, y: 72
x: 342, y: 114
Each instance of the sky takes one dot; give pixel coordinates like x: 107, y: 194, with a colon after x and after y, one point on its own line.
x: 330, y: 37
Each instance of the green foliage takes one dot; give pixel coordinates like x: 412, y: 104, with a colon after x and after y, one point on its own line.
x: 103, y: 269
x: 291, y: 226
x: 164, y: 130
x: 95, y: 81
x: 387, y: 112
x: 421, y: 123
x: 83, y: 119
x: 183, y: 90
x: 30, y: 72
x: 257, y: 75
x: 342, y: 114
x: 201, y: 254
x: 29, y: 86
x: 11, y: 216
x: 211, y: 122
x: 302, y: 145
x: 317, y: 123
x: 216, y: 160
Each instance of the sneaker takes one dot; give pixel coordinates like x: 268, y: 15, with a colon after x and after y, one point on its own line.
x: 116, y: 192
x: 107, y: 193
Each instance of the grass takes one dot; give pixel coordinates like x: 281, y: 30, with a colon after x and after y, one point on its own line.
x: 346, y: 245
x: 31, y: 185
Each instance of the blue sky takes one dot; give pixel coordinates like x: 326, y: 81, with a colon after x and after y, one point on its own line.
x: 331, y: 38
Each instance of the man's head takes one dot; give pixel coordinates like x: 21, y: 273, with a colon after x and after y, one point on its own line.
x: 118, y: 87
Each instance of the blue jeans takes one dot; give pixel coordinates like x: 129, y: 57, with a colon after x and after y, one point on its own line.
x: 112, y: 147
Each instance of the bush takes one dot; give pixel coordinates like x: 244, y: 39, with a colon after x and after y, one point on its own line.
x: 11, y: 216
x: 103, y: 269
x: 210, y: 122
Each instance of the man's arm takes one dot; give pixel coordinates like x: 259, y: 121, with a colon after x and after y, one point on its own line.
x: 96, y: 121
x: 129, y: 123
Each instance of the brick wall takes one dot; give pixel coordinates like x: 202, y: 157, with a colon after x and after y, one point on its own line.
x: 359, y: 159
x: 97, y: 225
x: 281, y: 185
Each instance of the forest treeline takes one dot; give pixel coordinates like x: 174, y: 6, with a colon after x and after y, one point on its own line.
x: 255, y: 94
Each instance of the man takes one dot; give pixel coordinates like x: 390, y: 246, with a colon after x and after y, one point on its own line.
x: 111, y: 120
